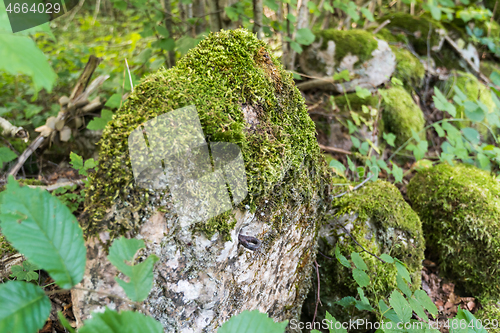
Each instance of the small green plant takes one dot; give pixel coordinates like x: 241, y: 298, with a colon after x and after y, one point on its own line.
x: 25, y: 271
x: 396, y: 312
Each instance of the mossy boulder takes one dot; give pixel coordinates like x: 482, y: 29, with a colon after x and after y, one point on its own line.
x: 245, y: 97
x: 380, y: 220
x: 355, y: 102
x: 460, y: 211
x: 400, y: 114
x: 408, y: 69
x: 489, y: 312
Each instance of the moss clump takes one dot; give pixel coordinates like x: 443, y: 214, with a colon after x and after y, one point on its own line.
x: 460, y: 212
x: 356, y: 42
x: 400, y: 114
x: 355, y: 102
x: 408, y: 68
x: 226, y: 72
x: 388, y: 36
x: 382, y: 222
x: 490, y: 311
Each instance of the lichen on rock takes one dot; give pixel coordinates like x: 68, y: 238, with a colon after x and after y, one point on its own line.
x: 400, y: 114
x: 460, y: 211
x: 377, y: 216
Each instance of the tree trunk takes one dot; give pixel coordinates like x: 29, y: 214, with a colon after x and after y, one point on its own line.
x: 257, y: 17
x: 168, y: 25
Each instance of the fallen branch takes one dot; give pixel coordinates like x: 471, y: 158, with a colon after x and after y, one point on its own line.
x: 334, y: 150
x: 13, y: 131
x: 321, y: 83
x: 78, y: 96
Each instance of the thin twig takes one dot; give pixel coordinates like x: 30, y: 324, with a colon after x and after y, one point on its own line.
x: 317, y: 296
x: 355, y: 187
x: 380, y: 27
x: 335, y: 150
x: 361, y: 246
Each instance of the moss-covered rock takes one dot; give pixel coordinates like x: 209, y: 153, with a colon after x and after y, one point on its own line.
x: 408, y: 68
x: 460, y: 212
x: 471, y: 87
x: 244, y: 96
x: 356, y: 42
x: 224, y: 75
x: 378, y: 217
x: 400, y: 114
x: 490, y: 311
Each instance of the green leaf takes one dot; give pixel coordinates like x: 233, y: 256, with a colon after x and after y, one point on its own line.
x: 346, y: 302
x: 100, y: 123
x: 232, y: 13
x: 20, y: 55
x: 337, y: 166
x: 364, y: 304
x: 352, y: 128
x: 362, y: 92
x: 76, y: 161
x: 442, y: 103
x: 435, y: 12
x: 358, y: 261
x: 355, y: 141
x: 389, y: 138
x: 114, y: 101
x: 162, y: 31
x: 111, y: 321
x: 340, y: 257
x: 403, y: 286
x: 366, y: 12
x: 24, y: 307
x: 296, y: 47
x: 344, y: 75
x: 304, y: 36
x: 333, y: 327
x: 363, y: 149
x: 38, y: 225
x: 65, y: 322
x: 328, y: 7
x: 472, y: 135
x: 473, y: 111
x: 140, y: 275
x: 484, y: 161
x: 472, y: 323
x: 401, y: 306
x: 439, y: 130
x: 387, y: 312
x: 252, y: 322
x: 387, y: 258
x: 401, y: 268
x: 417, y: 308
x: 6, y: 155
x: 355, y: 117
x: 361, y: 278
x: 397, y: 172
x: 426, y: 302
x: 350, y: 164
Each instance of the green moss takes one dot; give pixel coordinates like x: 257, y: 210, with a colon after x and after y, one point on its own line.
x: 488, y: 67
x: 400, y: 114
x: 388, y: 36
x: 355, y: 102
x: 382, y: 222
x: 460, y: 212
x: 223, y: 73
x: 408, y: 68
x: 356, y: 42
x: 490, y: 311
x: 416, y: 28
